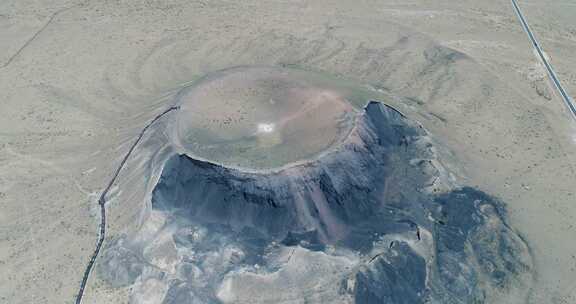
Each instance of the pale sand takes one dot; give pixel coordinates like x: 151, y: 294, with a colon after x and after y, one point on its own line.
x: 73, y: 98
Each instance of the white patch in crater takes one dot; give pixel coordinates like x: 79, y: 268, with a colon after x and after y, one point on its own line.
x: 265, y: 128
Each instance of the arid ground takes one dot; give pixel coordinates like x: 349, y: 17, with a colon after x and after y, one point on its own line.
x: 80, y: 79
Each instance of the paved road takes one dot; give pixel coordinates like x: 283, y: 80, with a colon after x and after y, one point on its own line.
x: 102, y: 202
x: 565, y: 97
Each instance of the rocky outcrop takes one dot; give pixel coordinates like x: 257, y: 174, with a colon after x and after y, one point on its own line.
x: 374, y: 221
x: 331, y: 195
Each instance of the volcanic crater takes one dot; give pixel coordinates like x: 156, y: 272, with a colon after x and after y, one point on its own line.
x: 289, y: 187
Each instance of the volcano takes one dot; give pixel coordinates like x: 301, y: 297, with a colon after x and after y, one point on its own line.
x: 282, y: 190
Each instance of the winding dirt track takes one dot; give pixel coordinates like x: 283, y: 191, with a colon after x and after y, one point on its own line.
x: 102, y: 202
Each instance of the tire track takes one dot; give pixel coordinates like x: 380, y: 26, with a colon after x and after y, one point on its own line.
x: 19, y: 51
x: 102, y: 203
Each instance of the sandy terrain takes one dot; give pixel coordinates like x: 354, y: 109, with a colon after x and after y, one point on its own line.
x: 78, y: 80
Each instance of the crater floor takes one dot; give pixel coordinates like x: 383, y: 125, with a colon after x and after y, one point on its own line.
x: 264, y: 117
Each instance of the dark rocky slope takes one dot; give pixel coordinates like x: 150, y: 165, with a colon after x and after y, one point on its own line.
x: 379, y: 213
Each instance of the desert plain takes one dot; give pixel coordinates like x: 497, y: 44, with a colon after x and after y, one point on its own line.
x: 79, y: 80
